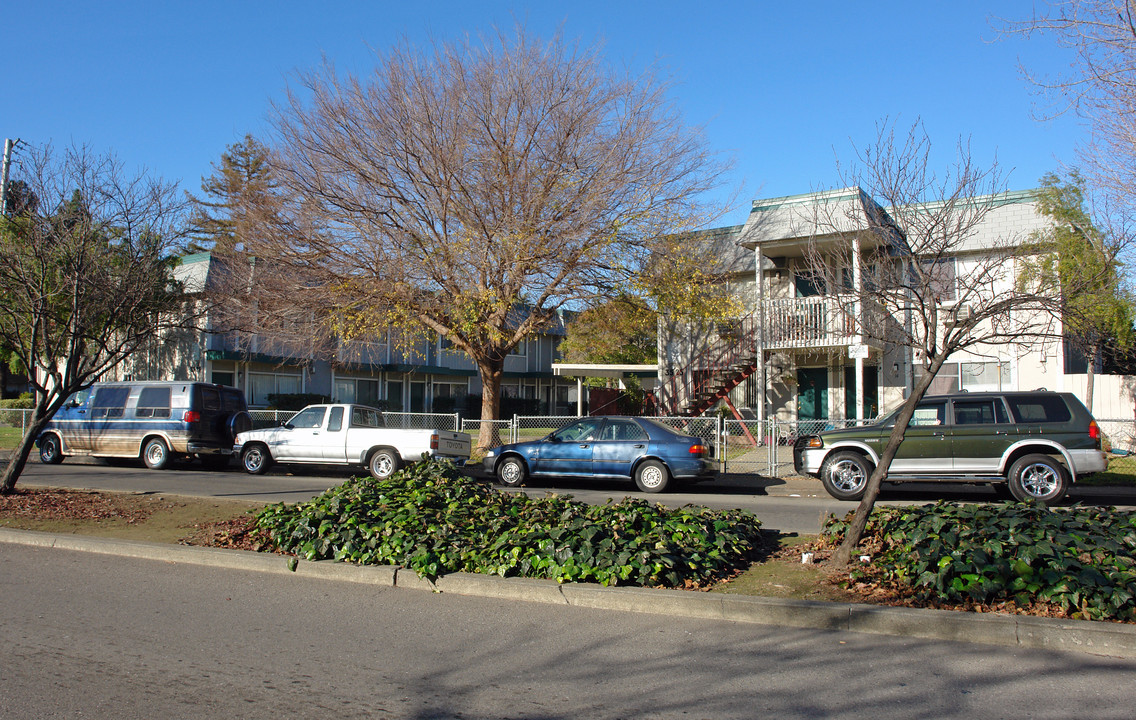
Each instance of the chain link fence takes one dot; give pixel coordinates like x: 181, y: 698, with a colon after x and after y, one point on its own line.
x: 748, y: 447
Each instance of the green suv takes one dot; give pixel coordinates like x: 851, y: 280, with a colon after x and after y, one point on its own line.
x: 1035, y: 443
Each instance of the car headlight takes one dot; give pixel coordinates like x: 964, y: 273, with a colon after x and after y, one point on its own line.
x: 490, y: 453
x: 814, y: 442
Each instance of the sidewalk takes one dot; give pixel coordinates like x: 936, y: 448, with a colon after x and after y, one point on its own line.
x: 1098, y: 638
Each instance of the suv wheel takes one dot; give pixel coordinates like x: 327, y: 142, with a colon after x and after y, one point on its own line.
x: 845, y: 475
x: 1039, y: 478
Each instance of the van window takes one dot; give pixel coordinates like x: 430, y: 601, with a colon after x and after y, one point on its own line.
x: 109, y: 402
x: 153, y: 402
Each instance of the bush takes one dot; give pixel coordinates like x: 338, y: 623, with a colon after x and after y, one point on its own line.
x: 434, y: 520
x: 294, y: 401
x: 25, y: 402
x: 1077, y: 561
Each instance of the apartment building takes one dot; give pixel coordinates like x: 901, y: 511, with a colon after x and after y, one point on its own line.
x: 425, y: 375
x: 800, y: 351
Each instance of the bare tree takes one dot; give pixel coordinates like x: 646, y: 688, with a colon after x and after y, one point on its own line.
x: 1100, y: 84
x: 927, y: 280
x: 472, y: 190
x: 86, y: 276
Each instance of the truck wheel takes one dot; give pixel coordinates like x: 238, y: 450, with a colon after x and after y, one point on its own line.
x: 1039, y: 478
x: 845, y: 475
x: 511, y: 472
x: 49, y: 450
x: 156, y: 454
x: 255, y: 459
x: 384, y: 463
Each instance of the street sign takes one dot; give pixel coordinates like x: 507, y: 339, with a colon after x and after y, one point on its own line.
x: 858, y: 351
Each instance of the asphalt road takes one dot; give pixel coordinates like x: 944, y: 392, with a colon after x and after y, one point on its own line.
x: 100, y: 636
x: 785, y: 505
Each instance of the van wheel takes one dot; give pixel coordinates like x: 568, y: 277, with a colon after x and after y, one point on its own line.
x: 384, y: 463
x: 845, y: 475
x: 49, y: 450
x: 156, y: 454
x: 1039, y: 478
x: 256, y: 460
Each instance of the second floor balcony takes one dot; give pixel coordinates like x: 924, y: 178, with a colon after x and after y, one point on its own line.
x: 820, y: 322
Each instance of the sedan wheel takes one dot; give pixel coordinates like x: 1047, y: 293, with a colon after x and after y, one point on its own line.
x: 511, y: 472
x: 652, y: 477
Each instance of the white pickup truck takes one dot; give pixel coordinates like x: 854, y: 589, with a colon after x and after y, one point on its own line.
x: 345, y: 435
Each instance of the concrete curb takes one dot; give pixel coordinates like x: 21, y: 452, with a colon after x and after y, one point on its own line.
x: 1098, y: 638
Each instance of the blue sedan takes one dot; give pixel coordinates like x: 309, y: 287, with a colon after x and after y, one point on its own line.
x: 651, y: 453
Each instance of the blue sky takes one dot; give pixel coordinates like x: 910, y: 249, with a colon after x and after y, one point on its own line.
x: 783, y: 90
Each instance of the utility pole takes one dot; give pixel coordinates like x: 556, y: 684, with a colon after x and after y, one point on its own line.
x: 9, y: 146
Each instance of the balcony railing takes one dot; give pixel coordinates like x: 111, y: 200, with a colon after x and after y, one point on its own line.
x: 815, y: 322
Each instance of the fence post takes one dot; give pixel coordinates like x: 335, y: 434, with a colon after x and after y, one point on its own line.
x: 720, y: 440
x: 514, y: 434
x: 772, y: 454
x: 457, y: 422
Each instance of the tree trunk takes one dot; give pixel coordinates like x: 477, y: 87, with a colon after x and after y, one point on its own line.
x: 843, y: 554
x: 20, y: 455
x: 491, y: 370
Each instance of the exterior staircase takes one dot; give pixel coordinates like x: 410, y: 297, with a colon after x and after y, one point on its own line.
x: 716, y: 369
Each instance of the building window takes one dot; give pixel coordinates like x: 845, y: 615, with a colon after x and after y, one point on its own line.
x: 261, y: 385
x: 989, y: 376
x: 223, y: 378
x: 941, y: 279
x: 364, y: 391
x: 522, y: 349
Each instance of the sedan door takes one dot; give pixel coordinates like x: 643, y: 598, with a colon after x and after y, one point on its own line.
x: 567, y: 451
x: 621, y: 443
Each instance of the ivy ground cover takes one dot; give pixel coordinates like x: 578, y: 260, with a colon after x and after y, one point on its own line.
x: 434, y: 520
x: 1073, y: 562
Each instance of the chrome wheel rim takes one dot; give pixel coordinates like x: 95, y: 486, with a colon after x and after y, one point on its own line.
x: 847, y: 476
x: 253, y: 460
x: 47, y: 451
x: 382, y: 466
x: 1039, y: 480
x: 652, y: 477
x: 155, y: 453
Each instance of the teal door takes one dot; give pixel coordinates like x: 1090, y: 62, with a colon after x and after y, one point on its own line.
x: 871, y: 392
x: 812, y: 394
